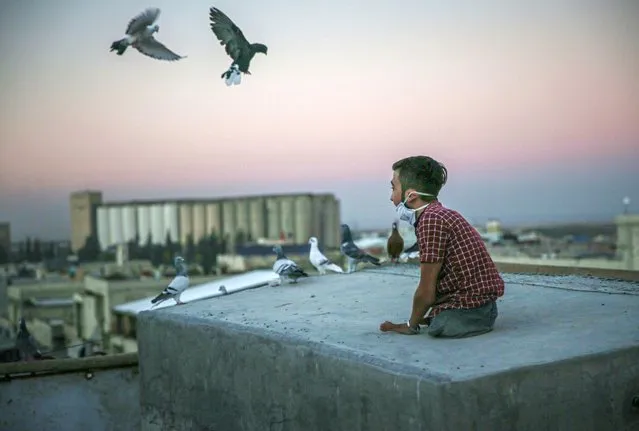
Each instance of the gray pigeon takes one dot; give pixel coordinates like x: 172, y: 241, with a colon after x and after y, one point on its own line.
x: 139, y: 35
x: 178, y: 285
x: 235, y: 45
x: 285, y: 267
x: 352, y: 252
x: 26, y: 344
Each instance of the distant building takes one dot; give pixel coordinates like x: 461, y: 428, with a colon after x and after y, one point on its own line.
x: 5, y: 240
x: 628, y: 240
x: 83, y: 209
x: 295, y: 217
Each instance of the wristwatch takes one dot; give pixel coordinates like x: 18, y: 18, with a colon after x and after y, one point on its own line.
x: 413, y: 329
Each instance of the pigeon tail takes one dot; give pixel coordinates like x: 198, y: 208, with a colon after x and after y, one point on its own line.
x: 120, y: 46
x: 161, y: 297
x: 333, y: 267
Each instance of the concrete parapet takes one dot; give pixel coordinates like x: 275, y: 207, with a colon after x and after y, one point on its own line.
x: 310, y: 357
x: 95, y: 393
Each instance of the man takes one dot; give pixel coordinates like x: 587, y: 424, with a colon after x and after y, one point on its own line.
x: 458, y: 279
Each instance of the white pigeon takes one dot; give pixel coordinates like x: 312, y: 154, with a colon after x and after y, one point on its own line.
x: 175, y: 288
x: 319, y: 261
x: 139, y: 35
x: 233, y: 76
x: 285, y: 267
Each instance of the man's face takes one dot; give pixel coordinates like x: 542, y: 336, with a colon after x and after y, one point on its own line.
x: 396, y: 187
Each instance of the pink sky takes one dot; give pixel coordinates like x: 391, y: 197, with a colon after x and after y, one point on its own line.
x: 345, y: 91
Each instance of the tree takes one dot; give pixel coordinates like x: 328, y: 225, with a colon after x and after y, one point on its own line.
x: 28, y: 253
x: 207, y: 251
x: 240, y: 238
x: 4, y: 255
x: 91, y: 249
x: 189, y: 248
x: 37, y: 250
x: 169, y: 249
x: 134, y: 248
x: 148, y: 247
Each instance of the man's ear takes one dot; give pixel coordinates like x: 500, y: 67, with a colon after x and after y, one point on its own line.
x: 411, y: 197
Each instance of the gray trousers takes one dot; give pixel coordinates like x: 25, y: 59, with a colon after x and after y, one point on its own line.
x: 464, y: 323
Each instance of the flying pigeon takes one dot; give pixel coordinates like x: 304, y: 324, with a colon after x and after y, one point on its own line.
x: 25, y: 343
x: 178, y: 285
x: 319, y: 261
x: 139, y: 35
x: 236, y: 46
x: 353, y: 252
x: 285, y: 267
x: 395, y: 244
x: 411, y: 252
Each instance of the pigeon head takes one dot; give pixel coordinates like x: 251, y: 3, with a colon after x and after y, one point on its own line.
x: 312, y: 240
x: 394, y: 225
x: 23, y: 324
x: 260, y: 47
x: 155, y: 28
x: 346, y: 233
x: 178, y: 260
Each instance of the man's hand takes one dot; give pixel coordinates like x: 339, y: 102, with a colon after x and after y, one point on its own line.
x: 400, y: 328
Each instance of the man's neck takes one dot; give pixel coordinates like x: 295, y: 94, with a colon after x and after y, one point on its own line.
x: 420, y: 203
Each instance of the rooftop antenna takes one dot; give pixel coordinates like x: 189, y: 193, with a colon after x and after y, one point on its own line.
x: 626, y: 204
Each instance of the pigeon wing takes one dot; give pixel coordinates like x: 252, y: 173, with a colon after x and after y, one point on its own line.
x: 352, y: 251
x: 178, y: 284
x: 142, y: 20
x: 154, y: 49
x: 229, y: 35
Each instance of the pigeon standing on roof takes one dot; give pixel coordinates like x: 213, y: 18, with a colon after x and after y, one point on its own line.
x: 285, y: 267
x: 25, y: 343
x: 175, y: 288
x: 319, y: 261
x: 395, y: 244
x: 236, y: 46
x: 139, y: 35
x: 411, y: 252
x: 353, y: 252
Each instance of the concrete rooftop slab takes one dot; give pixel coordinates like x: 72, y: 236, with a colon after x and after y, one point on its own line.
x: 542, y: 319
x: 309, y: 356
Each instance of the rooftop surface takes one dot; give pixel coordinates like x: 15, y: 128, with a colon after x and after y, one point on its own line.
x: 542, y: 319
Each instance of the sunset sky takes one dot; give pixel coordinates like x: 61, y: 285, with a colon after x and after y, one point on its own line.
x: 532, y: 106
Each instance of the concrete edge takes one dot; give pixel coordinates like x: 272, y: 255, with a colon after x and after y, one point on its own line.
x: 321, y: 349
x: 603, y: 273
x: 567, y: 362
x: 384, y: 365
x: 60, y: 366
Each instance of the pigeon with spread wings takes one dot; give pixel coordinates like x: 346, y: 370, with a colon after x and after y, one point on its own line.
x: 139, y: 35
x: 235, y: 45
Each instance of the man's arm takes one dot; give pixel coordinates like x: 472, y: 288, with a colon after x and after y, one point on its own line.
x: 425, y: 293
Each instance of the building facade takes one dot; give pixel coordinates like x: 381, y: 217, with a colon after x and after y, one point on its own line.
x: 84, y: 220
x: 291, y: 217
x: 628, y: 240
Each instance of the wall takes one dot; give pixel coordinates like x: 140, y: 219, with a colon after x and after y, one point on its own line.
x: 103, y: 399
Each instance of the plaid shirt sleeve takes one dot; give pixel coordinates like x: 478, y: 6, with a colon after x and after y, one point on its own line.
x: 433, y: 238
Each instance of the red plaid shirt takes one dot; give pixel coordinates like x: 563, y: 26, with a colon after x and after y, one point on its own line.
x: 468, y: 273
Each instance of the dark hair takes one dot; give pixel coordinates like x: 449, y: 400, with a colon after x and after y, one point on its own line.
x: 422, y: 173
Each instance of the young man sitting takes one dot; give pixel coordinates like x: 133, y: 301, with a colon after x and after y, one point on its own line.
x: 459, y: 280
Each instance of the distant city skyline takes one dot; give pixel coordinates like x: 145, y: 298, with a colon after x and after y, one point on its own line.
x: 532, y: 106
